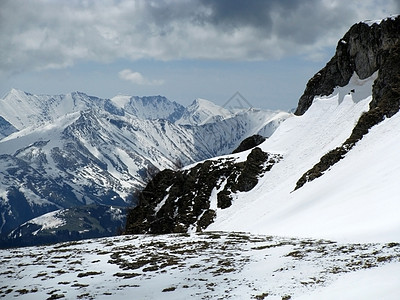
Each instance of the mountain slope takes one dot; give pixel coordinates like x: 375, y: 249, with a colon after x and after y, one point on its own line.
x: 80, y: 222
x: 334, y: 178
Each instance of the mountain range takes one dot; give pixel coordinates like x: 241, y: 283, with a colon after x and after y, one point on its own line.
x: 65, y: 151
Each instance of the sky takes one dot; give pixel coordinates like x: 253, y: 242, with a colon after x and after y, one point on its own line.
x: 182, y: 49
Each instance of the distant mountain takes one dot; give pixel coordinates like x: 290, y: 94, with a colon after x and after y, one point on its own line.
x: 81, y: 222
x: 331, y: 171
x: 149, y: 108
x: 71, y: 150
x: 202, y: 111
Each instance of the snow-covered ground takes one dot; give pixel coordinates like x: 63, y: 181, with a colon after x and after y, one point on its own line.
x: 201, y: 266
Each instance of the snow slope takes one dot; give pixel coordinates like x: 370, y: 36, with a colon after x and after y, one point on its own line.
x: 356, y: 200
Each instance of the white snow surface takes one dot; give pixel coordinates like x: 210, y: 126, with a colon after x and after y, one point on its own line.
x: 355, y: 200
x: 378, y: 21
x: 49, y: 220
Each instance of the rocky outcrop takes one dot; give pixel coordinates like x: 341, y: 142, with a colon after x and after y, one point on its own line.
x: 363, y: 49
x: 178, y: 201
x: 250, y: 142
x: 385, y: 93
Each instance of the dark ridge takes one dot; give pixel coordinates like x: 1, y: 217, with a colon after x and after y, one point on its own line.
x: 175, y: 201
x: 362, y: 50
x: 250, y: 142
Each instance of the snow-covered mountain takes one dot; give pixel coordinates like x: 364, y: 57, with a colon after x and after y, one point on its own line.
x: 202, y: 111
x: 332, y: 171
x: 69, y: 150
x: 69, y: 224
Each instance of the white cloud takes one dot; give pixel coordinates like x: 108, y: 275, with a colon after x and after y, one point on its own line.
x: 43, y: 34
x: 137, y: 78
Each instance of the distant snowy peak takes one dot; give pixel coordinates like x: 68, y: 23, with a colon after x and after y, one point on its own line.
x: 202, y: 111
x: 149, y: 107
x: 23, y: 109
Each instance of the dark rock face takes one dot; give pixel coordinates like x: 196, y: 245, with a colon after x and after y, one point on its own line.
x: 250, y: 142
x: 6, y: 128
x: 385, y: 103
x: 175, y: 201
x: 363, y: 50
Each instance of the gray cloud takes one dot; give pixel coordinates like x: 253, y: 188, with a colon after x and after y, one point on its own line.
x: 45, y: 34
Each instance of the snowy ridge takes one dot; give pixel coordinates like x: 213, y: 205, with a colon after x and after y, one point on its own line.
x: 379, y: 21
x: 202, y: 111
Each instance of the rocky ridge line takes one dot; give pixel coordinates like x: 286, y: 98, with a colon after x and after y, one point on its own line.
x: 179, y: 201
x: 379, y: 51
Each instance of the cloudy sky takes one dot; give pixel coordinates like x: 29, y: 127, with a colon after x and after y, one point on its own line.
x: 182, y: 49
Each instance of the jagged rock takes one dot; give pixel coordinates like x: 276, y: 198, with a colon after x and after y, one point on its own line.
x: 177, y: 201
x: 250, y: 142
x: 362, y: 50
x: 385, y: 97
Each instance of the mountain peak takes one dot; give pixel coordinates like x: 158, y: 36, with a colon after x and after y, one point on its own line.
x: 202, y: 111
x: 15, y: 93
x: 363, y: 50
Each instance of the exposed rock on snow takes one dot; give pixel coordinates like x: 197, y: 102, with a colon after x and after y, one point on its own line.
x: 183, y: 200
x: 363, y: 49
x: 203, y: 266
x: 250, y: 142
x: 385, y: 103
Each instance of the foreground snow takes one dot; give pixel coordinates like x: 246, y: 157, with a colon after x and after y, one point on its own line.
x: 212, y: 265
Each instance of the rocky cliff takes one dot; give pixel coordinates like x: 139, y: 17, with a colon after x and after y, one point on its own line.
x: 364, y: 49
x: 187, y: 200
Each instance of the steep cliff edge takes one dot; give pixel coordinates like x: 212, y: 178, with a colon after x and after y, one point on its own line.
x: 364, y: 49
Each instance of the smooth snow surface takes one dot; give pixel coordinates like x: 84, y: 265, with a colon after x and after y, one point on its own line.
x: 356, y: 200
x: 376, y: 283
